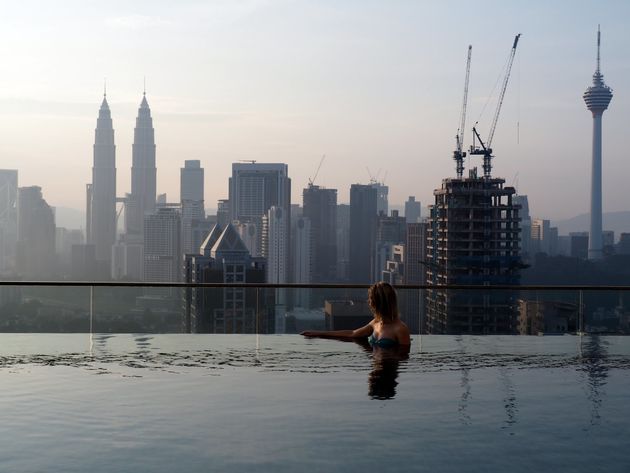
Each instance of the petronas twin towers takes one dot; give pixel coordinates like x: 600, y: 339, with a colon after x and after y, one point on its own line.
x: 101, y: 194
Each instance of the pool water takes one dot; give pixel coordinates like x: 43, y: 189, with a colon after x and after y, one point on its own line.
x: 198, y: 403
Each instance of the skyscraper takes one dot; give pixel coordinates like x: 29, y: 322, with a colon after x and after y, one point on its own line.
x: 320, y: 208
x: 412, y: 210
x: 225, y: 259
x: 362, y: 244
x: 8, y: 218
x: 141, y: 201
x: 36, y: 235
x: 101, y: 224
x: 597, y: 97
x: 162, y: 246
x: 254, y: 189
x: 192, y: 202
x: 473, y: 238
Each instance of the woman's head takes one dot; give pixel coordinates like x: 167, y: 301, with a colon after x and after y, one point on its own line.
x: 383, y: 302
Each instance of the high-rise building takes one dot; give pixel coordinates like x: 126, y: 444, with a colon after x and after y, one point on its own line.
x: 142, y: 199
x: 413, y: 302
x: 254, y: 189
x: 301, y: 259
x: 597, y: 98
x: 225, y: 259
x: 277, y: 245
x: 162, y: 245
x: 412, y: 210
x: 35, y: 258
x: 473, y: 239
x: 527, y: 250
x: 343, y: 241
x: 382, y: 197
x: 101, y: 224
x: 8, y: 219
x: 390, y: 231
x: 192, y: 202
x: 223, y: 212
x: 579, y: 244
x: 540, y: 235
x: 320, y: 207
x: 363, y: 213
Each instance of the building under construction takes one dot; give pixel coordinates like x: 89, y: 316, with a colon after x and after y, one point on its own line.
x: 473, y: 238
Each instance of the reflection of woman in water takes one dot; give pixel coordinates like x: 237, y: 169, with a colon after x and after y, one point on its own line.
x: 384, y: 330
x: 385, y: 363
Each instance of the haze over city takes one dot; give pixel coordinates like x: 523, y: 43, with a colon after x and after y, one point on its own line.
x: 373, y: 85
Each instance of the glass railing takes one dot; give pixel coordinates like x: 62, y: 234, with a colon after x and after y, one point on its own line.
x: 104, y: 307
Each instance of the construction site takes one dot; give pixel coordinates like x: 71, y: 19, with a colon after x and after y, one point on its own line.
x: 473, y: 238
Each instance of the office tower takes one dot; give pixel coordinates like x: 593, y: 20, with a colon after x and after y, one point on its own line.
x: 223, y: 212
x: 142, y: 199
x: 362, y: 243
x: 412, y: 210
x: 162, y: 245
x: 343, y: 241
x: 249, y: 233
x: 301, y: 259
x: 597, y: 97
x: 526, y: 227
x: 579, y: 244
x: 8, y: 219
x: 382, y: 193
x: 390, y: 231
x: 320, y: 207
x: 394, y: 270
x: 473, y: 238
x: 277, y: 245
x: 415, y: 273
x: 225, y: 259
x: 101, y: 211
x: 540, y: 236
x: 254, y: 189
x: 192, y: 202
x: 35, y: 258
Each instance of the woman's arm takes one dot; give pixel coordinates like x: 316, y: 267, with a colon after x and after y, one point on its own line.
x: 362, y: 332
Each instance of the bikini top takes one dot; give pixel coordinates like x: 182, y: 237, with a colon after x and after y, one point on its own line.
x: 382, y: 342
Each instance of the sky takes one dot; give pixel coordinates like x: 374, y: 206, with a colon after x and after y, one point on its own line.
x: 376, y: 86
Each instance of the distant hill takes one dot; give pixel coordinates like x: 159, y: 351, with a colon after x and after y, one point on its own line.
x: 619, y: 222
x: 69, y: 218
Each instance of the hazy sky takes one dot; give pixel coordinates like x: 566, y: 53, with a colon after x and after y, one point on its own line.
x: 374, y: 84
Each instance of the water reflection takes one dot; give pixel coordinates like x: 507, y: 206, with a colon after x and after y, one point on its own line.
x: 509, y: 398
x: 382, y: 380
x: 594, y: 371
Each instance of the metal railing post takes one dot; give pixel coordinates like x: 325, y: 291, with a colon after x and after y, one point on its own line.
x: 91, y: 310
x: 581, y: 314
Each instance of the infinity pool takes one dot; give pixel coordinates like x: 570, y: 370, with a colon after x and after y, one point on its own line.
x: 199, y: 403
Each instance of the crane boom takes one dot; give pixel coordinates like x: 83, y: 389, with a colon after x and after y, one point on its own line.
x: 312, y: 181
x: 486, y: 148
x: 459, y: 155
x: 503, y: 89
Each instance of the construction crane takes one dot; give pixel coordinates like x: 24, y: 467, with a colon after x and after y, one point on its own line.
x: 458, y: 154
x: 311, y: 182
x: 485, y: 149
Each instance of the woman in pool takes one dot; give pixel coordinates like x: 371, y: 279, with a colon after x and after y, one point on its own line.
x: 385, y: 330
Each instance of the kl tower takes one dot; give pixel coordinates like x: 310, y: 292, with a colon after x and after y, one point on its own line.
x: 597, y: 97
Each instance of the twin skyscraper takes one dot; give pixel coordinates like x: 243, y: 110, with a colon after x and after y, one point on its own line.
x: 102, y: 216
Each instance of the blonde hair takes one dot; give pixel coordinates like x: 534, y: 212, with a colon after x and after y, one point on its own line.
x: 383, y: 302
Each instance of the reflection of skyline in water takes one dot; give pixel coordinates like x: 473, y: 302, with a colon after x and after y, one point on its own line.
x: 593, y: 369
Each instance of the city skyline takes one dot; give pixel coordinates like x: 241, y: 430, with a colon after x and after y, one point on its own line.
x: 398, y: 118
